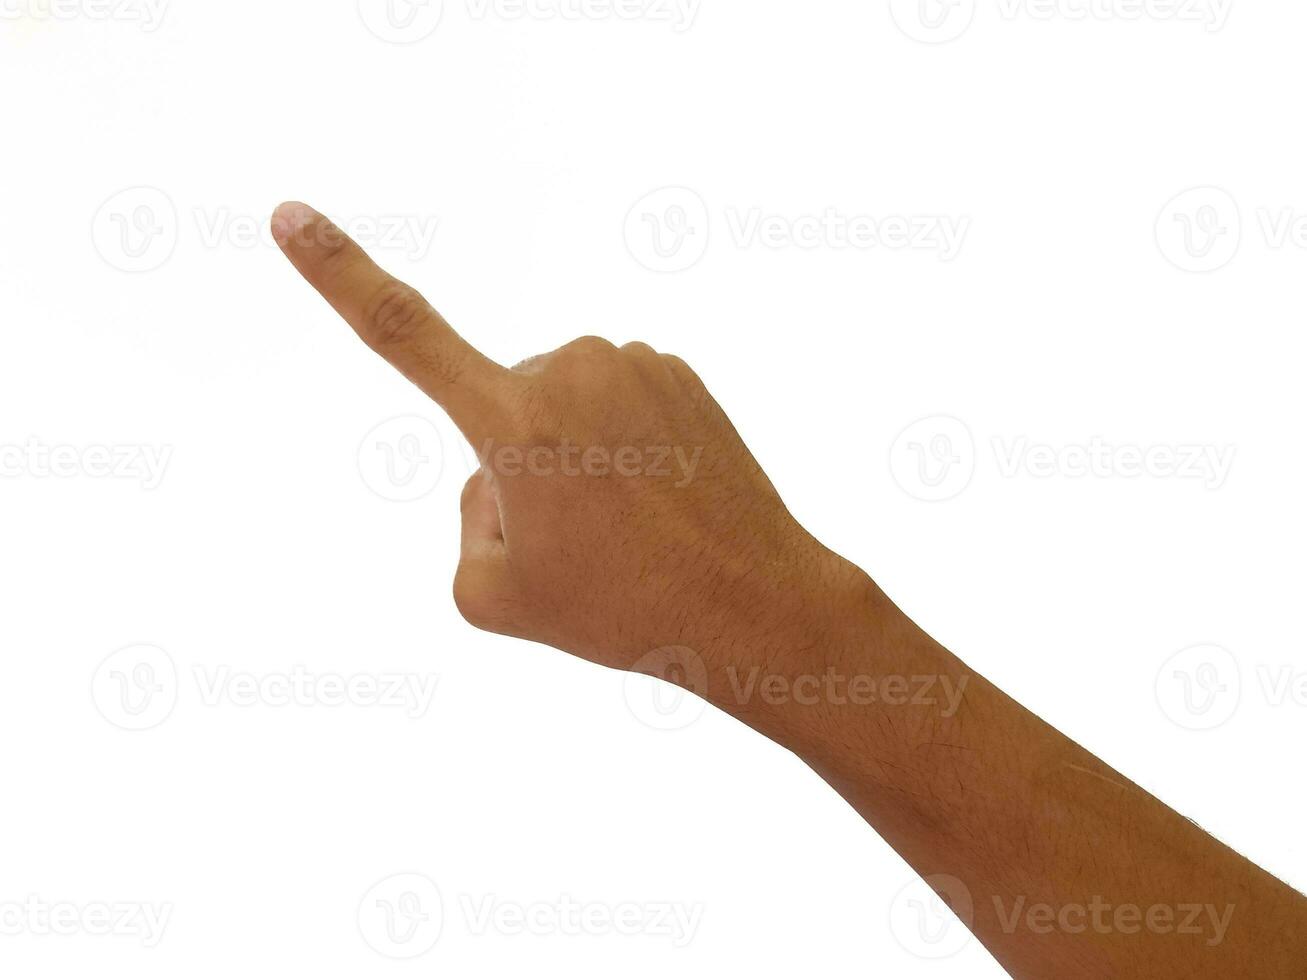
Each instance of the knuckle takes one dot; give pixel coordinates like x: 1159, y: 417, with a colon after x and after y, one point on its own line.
x: 585, y: 357
x: 682, y: 370
x: 590, y: 344
x: 395, y: 314
x: 690, y: 383
x: 646, y: 363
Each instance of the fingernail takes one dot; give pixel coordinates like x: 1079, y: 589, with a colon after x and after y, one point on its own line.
x: 288, y: 219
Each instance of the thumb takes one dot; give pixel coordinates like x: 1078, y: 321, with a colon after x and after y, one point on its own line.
x: 483, y: 587
x: 483, y: 533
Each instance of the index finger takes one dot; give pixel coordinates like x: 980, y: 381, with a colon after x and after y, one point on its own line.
x: 392, y: 318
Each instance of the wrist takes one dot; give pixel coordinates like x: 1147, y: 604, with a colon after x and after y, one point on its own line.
x: 851, y: 671
x: 810, y: 646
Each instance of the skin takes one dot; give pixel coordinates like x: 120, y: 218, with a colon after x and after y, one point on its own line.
x: 618, y: 516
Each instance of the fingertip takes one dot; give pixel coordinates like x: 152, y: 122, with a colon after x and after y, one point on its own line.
x: 289, y: 219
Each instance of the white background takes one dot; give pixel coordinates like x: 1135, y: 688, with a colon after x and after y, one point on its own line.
x: 1076, y: 310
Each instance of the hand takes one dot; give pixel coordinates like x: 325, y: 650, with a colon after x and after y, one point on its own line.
x: 617, y: 514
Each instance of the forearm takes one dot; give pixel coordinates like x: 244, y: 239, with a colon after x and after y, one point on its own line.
x: 1071, y: 869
